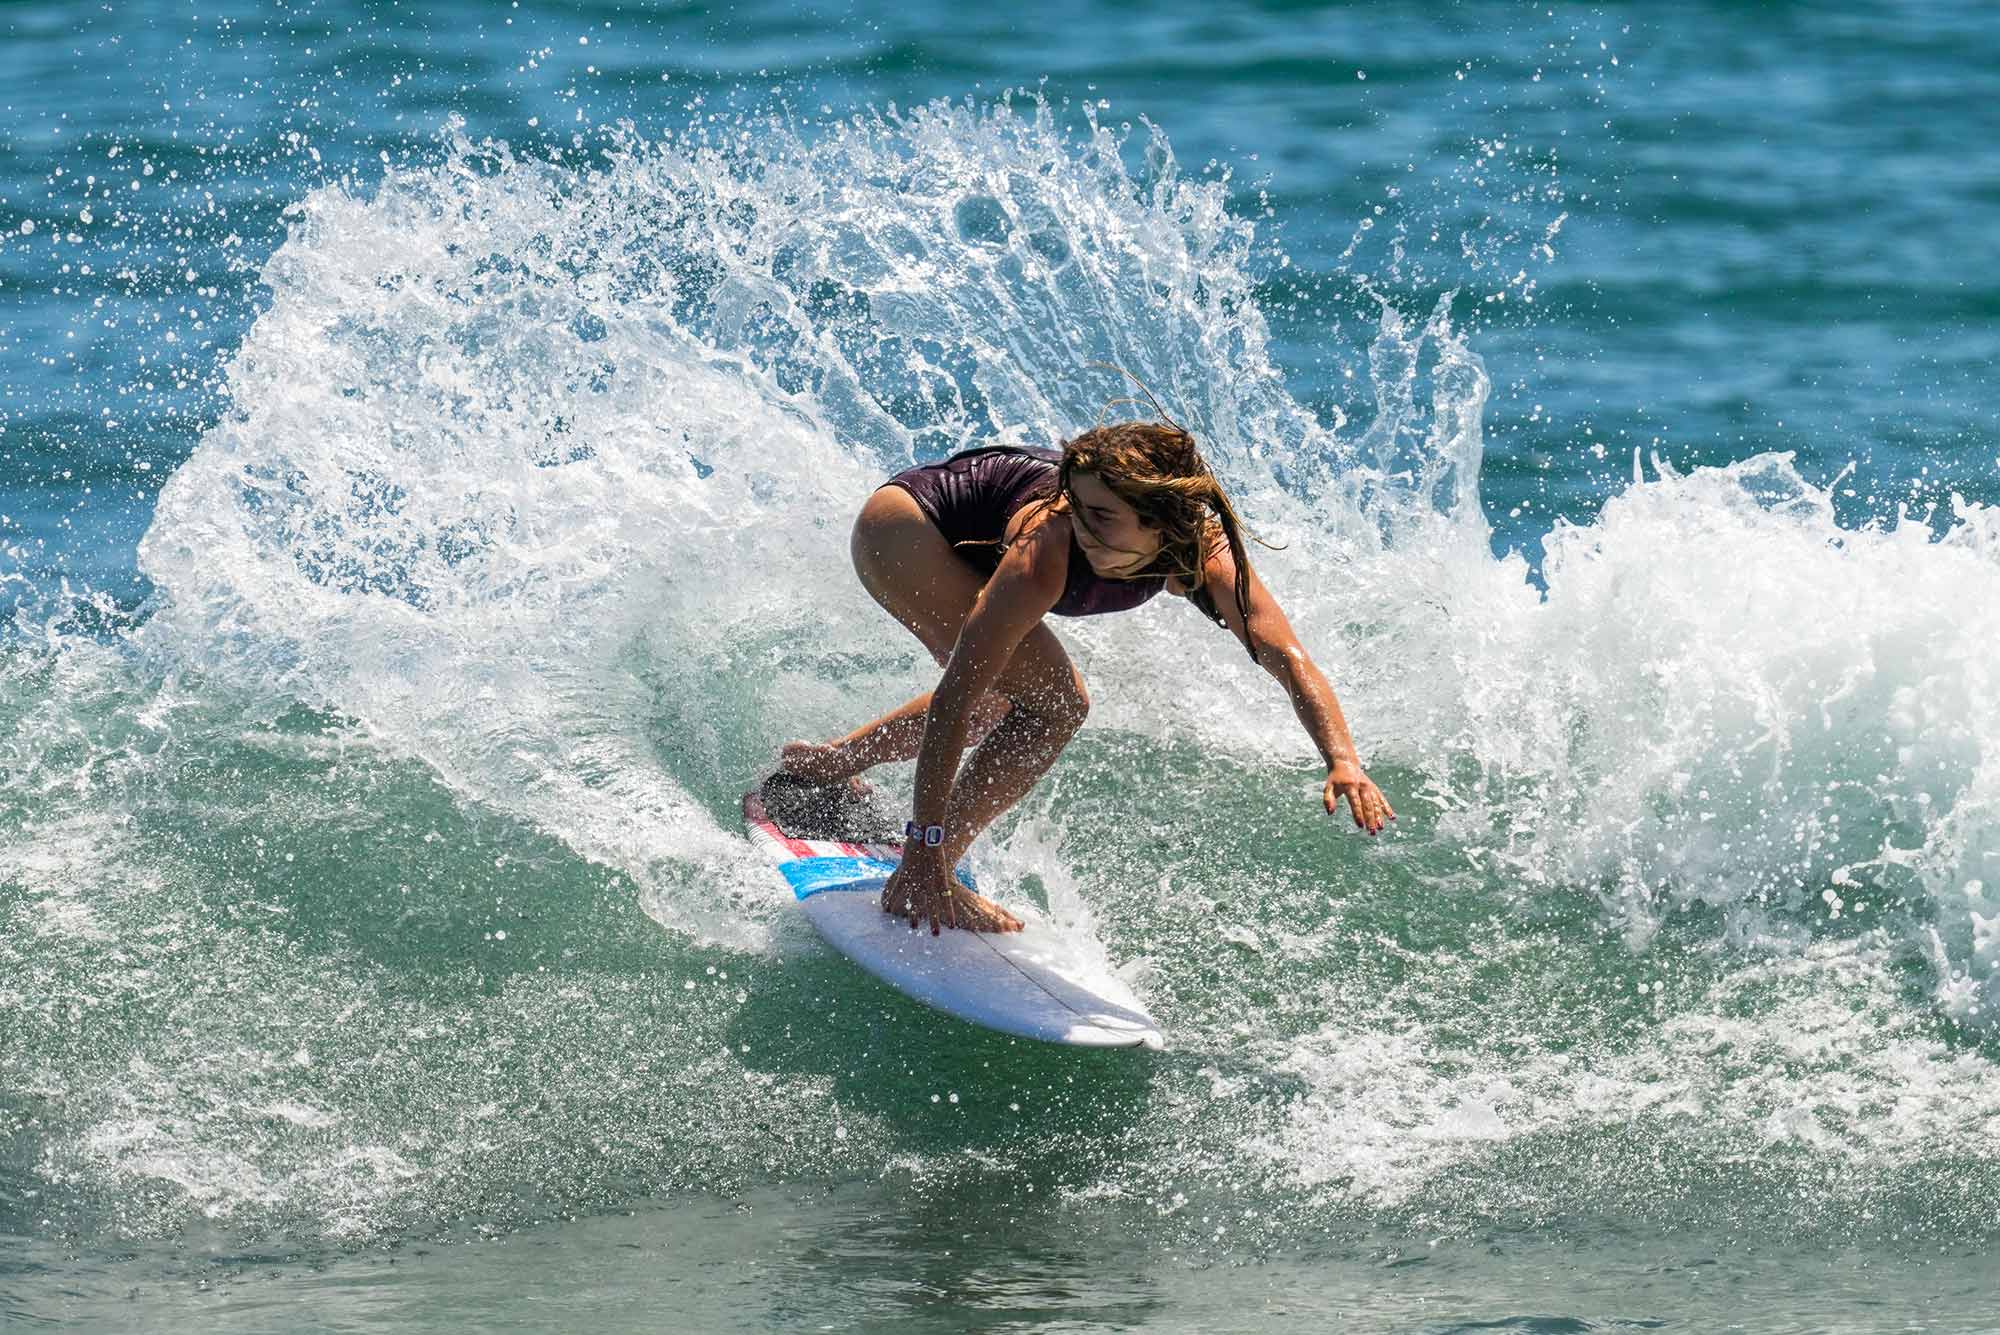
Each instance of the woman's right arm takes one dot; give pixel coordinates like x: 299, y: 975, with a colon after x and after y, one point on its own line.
x: 1028, y: 582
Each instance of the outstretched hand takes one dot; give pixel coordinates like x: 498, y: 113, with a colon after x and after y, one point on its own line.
x: 1370, y: 809
x: 923, y: 889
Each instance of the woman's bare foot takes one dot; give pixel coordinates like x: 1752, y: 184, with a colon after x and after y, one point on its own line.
x: 973, y: 912
x: 981, y: 914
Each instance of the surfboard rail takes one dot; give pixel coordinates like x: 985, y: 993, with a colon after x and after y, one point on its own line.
x: 1031, y: 983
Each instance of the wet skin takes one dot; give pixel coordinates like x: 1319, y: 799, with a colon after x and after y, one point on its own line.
x: 1010, y: 691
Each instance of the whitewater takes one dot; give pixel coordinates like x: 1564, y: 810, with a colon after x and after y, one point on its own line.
x: 376, y: 878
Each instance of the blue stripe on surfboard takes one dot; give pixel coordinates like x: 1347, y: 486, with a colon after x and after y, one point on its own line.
x: 809, y: 876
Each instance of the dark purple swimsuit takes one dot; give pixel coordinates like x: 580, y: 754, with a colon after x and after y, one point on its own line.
x: 971, y: 496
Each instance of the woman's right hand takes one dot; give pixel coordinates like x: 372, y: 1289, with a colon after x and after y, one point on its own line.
x: 923, y: 889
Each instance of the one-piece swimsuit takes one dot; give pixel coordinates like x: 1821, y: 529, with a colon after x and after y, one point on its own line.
x: 972, y: 496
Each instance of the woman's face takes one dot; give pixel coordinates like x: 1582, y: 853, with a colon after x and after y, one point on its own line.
x: 1115, y: 541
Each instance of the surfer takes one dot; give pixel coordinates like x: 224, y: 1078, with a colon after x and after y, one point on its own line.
x: 970, y: 554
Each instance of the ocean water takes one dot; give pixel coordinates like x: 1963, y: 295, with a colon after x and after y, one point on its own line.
x: 428, y: 436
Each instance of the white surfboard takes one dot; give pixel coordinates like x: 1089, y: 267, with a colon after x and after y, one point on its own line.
x: 834, y: 850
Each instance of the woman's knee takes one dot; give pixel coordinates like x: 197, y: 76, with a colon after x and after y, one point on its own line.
x: 1077, y: 705
x: 1060, y: 703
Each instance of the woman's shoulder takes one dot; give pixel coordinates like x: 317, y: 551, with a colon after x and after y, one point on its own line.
x: 1040, y: 514
x: 1039, y: 546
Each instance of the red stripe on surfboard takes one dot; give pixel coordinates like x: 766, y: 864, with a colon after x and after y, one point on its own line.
x: 798, y: 848
x: 760, y: 820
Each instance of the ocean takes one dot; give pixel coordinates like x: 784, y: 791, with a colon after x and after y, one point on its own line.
x: 428, y: 439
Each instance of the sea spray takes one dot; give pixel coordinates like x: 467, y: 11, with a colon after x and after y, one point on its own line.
x: 522, y: 543
x: 523, y: 462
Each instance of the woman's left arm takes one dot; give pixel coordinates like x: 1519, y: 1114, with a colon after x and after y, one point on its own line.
x: 1268, y: 635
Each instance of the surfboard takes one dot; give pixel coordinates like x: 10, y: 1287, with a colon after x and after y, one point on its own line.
x: 833, y: 848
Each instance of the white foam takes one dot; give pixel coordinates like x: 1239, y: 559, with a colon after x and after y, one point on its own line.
x: 543, y: 474
x: 600, y: 626
x: 1812, y: 1053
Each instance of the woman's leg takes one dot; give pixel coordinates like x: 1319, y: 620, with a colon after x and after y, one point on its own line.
x: 1016, y: 731
x: 1011, y: 760
x: 907, y: 566
x: 897, y: 735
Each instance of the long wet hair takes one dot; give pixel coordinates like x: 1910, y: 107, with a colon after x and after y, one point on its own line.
x: 1156, y: 468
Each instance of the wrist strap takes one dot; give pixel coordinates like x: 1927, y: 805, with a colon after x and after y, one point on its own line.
x: 930, y: 836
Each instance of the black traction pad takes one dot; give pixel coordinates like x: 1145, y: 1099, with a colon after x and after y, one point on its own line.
x: 832, y: 811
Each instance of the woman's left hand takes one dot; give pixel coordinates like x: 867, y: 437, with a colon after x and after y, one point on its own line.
x: 1364, y: 799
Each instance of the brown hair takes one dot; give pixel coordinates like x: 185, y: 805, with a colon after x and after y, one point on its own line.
x: 1155, y: 468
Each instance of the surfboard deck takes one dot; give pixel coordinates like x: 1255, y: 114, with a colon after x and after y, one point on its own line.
x: 834, y: 849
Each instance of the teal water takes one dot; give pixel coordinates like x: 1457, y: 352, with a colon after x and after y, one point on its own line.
x: 427, y: 440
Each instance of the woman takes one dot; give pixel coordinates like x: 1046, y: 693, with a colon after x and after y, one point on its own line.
x: 970, y: 554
